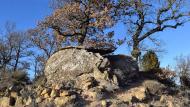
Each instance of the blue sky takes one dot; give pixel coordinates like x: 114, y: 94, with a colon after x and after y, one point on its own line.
x: 26, y: 13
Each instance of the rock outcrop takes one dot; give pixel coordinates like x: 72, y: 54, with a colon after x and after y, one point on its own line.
x: 75, y: 77
x: 66, y: 65
x: 124, y: 67
x: 134, y: 95
x: 74, y: 66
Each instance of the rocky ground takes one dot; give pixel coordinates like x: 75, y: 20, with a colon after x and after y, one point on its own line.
x: 146, y: 93
x: 77, y: 78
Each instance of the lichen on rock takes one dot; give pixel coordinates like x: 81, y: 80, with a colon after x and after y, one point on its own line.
x: 73, y: 65
x: 67, y: 65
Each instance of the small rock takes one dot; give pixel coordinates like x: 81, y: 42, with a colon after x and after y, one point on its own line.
x: 104, y: 103
x: 4, y: 102
x: 138, y: 93
x: 14, y: 94
x: 29, y: 101
x: 61, y: 101
x: 170, y: 104
x: 46, y: 95
x: 50, y: 99
x: 2, y: 93
x: 87, y: 86
x: 38, y: 100
x: 64, y: 93
x: 53, y: 93
x: 142, y: 105
x: 39, y: 90
x: 86, y: 82
x: 57, y: 87
x: 115, y: 80
x: 94, y: 94
x: 39, y: 87
x: 19, y: 101
x: 45, y: 91
x: 105, y: 62
x: 99, y: 75
x: 162, y: 98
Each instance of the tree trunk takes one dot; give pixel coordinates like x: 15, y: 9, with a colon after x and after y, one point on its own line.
x: 35, y: 69
x: 17, y: 59
x: 136, y: 51
x: 81, y: 41
x: 16, y: 64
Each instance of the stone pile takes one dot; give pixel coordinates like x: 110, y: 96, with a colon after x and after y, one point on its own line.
x: 143, y: 95
x: 76, y: 77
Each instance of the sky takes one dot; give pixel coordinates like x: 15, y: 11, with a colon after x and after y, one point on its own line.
x: 26, y: 14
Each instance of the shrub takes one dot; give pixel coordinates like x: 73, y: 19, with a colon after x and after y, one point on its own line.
x: 150, y: 61
x: 15, y: 78
x: 163, y: 75
x: 166, y: 76
x: 20, y: 76
x: 39, y: 80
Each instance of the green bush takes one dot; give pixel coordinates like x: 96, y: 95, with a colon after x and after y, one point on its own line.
x: 150, y: 61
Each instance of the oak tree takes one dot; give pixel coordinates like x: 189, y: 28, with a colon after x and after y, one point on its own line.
x: 148, y: 17
x: 81, y: 22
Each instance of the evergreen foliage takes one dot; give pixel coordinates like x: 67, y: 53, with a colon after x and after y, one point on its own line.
x: 150, y: 61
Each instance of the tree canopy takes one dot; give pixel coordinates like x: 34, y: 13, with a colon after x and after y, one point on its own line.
x: 148, y: 17
x: 82, y: 22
